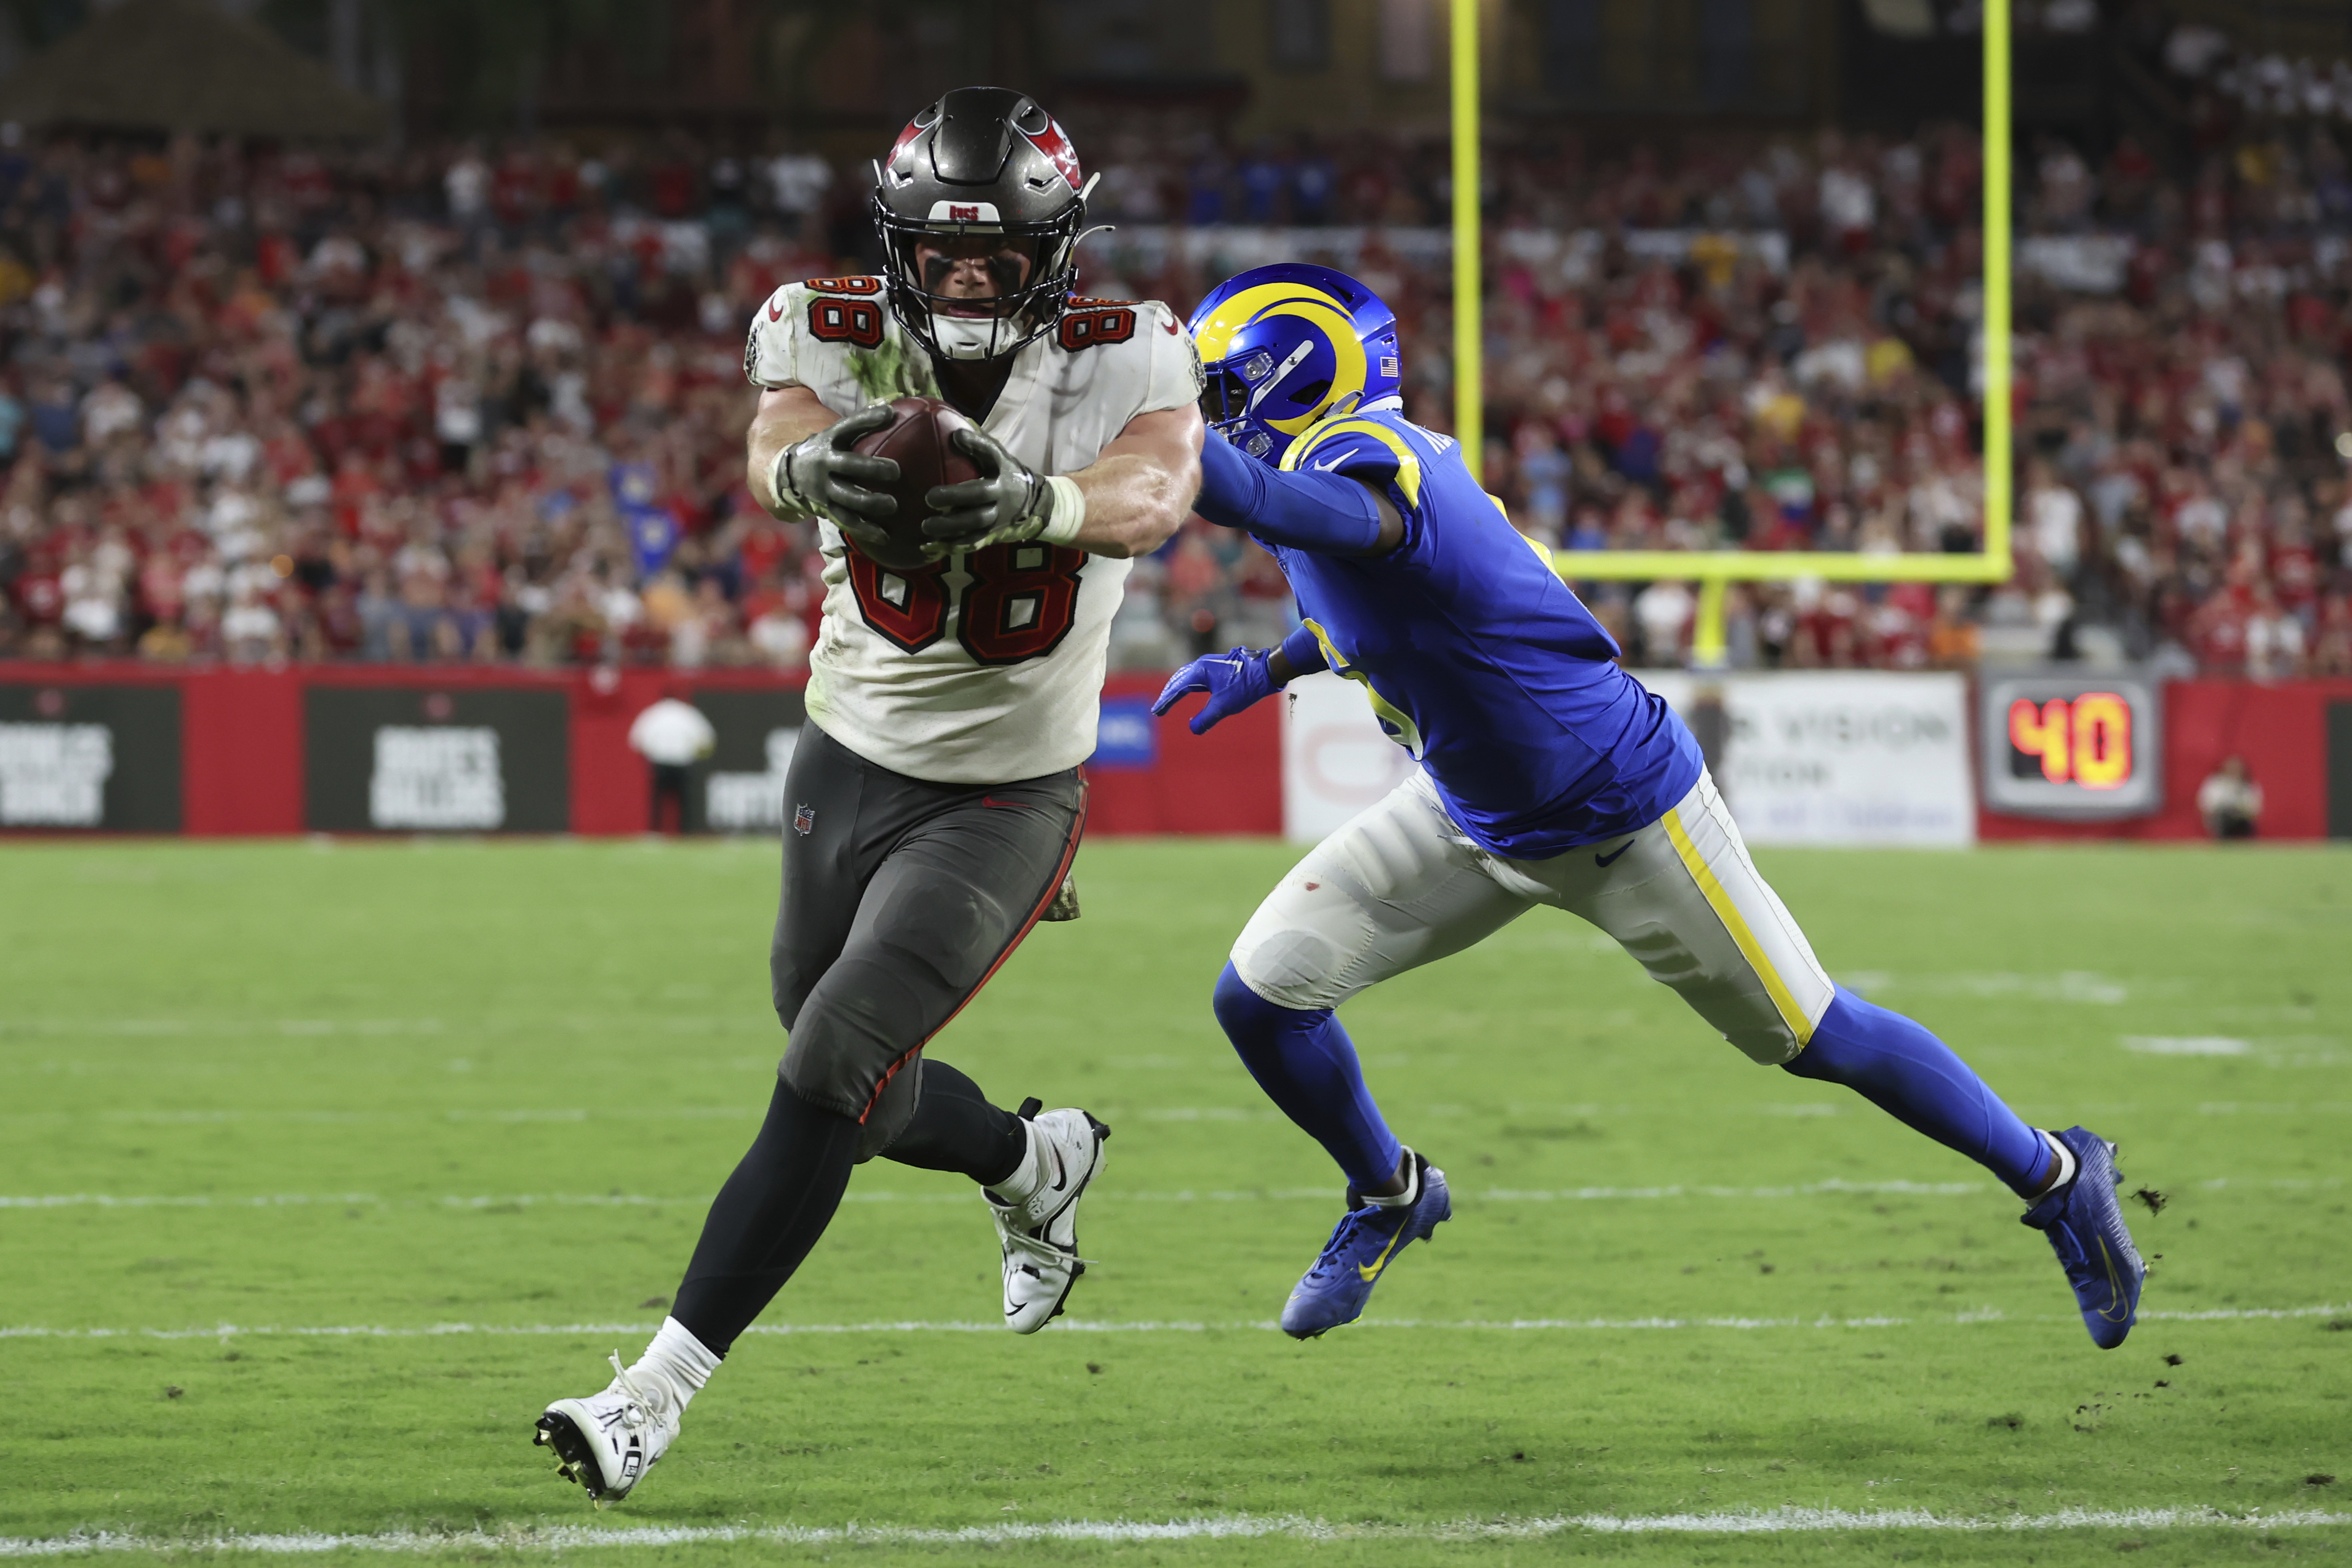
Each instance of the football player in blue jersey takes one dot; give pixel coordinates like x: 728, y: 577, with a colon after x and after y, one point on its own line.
x: 1548, y: 776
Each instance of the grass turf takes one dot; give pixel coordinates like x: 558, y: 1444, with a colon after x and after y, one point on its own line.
x: 406, y: 1086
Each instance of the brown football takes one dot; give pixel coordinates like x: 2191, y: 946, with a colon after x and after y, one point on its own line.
x: 917, y: 440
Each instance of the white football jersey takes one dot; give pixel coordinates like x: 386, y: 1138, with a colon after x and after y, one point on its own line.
x: 987, y: 667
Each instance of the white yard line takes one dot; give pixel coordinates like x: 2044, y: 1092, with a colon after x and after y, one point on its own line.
x: 463, y: 1201
x: 1243, y: 1527
x: 1169, y: 1326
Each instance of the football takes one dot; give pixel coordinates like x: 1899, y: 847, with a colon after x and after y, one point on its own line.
x: 917, y: 440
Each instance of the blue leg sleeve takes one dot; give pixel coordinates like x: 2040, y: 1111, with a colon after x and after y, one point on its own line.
x: 1307, y: 1065
x: 1913, y: 1076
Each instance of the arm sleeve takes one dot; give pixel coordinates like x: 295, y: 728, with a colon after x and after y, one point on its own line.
x: 1326, y: 513
x: 1304, y: 649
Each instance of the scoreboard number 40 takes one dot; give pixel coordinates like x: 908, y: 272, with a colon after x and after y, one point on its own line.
x: 2087, y: 740
x: 2070, y: 745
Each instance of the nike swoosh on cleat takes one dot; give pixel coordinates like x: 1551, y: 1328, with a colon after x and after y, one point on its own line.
x: 2115, y: 1286
x: 1605, y: 861
x: 1061, y: 1172
x: 1371, y: 1271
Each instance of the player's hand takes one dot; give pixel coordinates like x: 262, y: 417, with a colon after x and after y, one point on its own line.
x: 1233, y: 680
x: 819, y: 476
x: 1009, y: 504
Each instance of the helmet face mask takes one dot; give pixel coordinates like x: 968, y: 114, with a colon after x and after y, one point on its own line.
x: 982, y: 175
x: 1285, y: 347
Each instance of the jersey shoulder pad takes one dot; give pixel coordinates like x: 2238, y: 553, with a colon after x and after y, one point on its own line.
x: 1371, y: 447
x: 837, y: 336
x: 1144, y: 341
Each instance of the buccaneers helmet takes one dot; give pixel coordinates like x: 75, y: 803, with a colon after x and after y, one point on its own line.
x: 982, y: 160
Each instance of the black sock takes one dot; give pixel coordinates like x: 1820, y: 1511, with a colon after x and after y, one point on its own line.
x: 765, y: 1219
x: 956, y: 1129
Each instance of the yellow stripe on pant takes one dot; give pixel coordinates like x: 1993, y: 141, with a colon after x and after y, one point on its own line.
x: 1737, y: 924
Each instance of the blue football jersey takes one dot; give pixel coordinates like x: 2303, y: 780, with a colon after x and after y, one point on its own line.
x: 1479, y: 660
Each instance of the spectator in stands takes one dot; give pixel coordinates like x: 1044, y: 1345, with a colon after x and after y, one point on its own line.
x: 414, y: 377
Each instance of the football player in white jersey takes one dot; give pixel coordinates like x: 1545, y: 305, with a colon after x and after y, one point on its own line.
x: 934, y: 804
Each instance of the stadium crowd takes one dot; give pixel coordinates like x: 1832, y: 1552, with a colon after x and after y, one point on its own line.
x: 487, y: 404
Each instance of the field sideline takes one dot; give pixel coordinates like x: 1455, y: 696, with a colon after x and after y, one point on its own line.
x: 323, y: 1166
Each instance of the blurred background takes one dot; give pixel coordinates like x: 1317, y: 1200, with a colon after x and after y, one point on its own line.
x: 380, y: 334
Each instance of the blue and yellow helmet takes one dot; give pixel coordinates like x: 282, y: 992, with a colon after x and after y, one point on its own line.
x: 1285, y: 346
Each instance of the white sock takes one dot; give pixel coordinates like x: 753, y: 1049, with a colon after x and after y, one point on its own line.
x: 1027, y: 1176
x: 678, y: 1359
x: 2067, y: 1164
x: 1412, y: 1193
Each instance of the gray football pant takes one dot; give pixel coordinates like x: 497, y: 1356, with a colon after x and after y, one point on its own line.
x: 901, y: 897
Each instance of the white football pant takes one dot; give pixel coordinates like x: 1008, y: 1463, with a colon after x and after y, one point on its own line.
x: 1402, y: 885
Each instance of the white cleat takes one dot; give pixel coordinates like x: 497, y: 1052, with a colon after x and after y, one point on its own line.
x: 608, y: 1441
x: 1040, y: 1233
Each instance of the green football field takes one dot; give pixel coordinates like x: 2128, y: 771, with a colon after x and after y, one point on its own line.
x: 324, y: 1166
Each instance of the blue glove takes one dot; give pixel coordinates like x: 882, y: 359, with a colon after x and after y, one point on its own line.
x: 1232, y: 680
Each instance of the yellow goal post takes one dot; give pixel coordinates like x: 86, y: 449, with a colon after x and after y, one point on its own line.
x: 1713, y: 570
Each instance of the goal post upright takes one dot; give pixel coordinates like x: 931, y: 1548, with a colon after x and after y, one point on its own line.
x: 1715, y: 570
x: 1469, y: 298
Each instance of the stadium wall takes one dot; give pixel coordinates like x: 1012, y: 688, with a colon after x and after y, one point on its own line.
x: 125, y: 747
x: 2283, y: 732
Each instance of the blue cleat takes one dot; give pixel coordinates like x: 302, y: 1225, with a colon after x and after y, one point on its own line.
x: 1364, y: 1244
x: 2086, y: 1227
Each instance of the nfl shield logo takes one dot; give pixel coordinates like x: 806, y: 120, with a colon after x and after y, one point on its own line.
x: 803, y: 820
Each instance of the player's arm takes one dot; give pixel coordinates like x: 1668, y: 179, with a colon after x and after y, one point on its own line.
x: 1139, y: 491
x: 1306, y: 508
x: 1128, y: 501
x: 798, y: 462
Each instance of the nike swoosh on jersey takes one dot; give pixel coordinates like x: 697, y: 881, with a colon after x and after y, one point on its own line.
x: 1371, y: 1271
x: 1605, y: 861
x: 775, y: 314
x: 1336, y: 458
x: 1169, y: 326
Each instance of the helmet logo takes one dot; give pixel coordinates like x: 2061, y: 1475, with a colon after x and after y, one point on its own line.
x: 964, y: 215
x: 915, y: 128
x: 1057, y: 150
x: 964, y: 212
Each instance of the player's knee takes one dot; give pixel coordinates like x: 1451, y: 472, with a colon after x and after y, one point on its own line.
x: 1252, y: 1022
x: 787, y: 987
x: 956, y: 933
x: 1290, y: 966
x: 1238, y: 1008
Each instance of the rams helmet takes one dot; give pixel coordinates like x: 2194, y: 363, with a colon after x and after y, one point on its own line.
x: 1285, y: 346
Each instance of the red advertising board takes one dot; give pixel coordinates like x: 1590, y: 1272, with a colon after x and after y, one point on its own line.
x: 247, y: 755
x: 249, y: 758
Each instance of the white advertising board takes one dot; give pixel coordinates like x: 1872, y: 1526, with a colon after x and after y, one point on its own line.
x: 1335, y: 759
x: 1837, y: 757
x: 1815, y: 757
